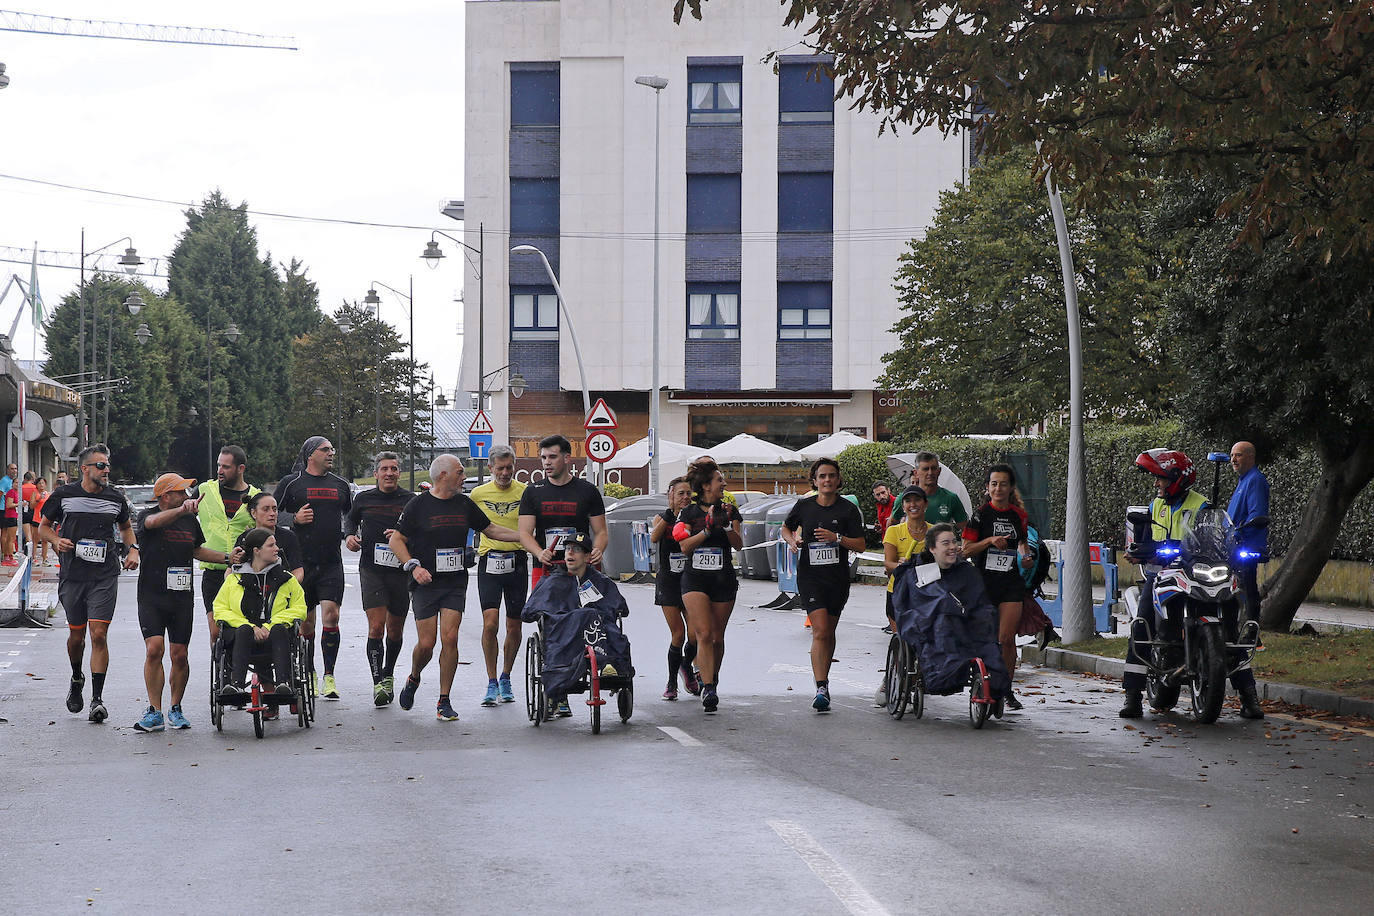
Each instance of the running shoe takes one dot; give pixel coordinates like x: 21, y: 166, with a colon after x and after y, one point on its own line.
x: 444, y: 712
x: 564, y: 710
x: 269, y: 714
x: 331, y: 689
x: 151, y: 721
x: 507, y: 694
x: 493, y: 696
x: 408, y: 692
x: 1013, y: 703
x: 74, y: 701
x: 284, y: 691
x: 880, y: 697
x: 690, y: 682
x: 379, y: 697
x: 230, y: 692
x: 671, y: 692
x: 98, y: 712
x: 388, y: 690
x: 822, y: 701
x: 709, y: 700
x: 176, y: 718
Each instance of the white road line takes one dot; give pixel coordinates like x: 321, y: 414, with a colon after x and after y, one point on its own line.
x: 680, y: 736
x: 855, y: 899
x: 806, y: 669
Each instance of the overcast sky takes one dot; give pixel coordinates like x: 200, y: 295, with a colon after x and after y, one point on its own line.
x: 364, y: 122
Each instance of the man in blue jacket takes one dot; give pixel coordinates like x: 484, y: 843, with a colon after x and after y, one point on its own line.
x: 1250, y: 501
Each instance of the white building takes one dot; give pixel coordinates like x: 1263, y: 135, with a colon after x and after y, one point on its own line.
x: 782, y: 218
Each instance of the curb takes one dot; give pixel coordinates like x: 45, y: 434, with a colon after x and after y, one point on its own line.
x: 1329, y: 701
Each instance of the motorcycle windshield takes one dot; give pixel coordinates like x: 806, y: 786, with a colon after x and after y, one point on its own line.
x: 1210, y: 537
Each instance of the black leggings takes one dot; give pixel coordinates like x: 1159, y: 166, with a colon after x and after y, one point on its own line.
x: 244, y: 646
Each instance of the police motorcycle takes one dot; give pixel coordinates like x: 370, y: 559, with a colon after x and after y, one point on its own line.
x: 1197, y: 601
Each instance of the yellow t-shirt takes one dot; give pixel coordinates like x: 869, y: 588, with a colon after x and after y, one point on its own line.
x: 503, y: 508
x: 899, y: 536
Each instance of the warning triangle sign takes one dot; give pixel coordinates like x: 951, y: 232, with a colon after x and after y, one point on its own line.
x: 481, y: 424
x: 601, y: 417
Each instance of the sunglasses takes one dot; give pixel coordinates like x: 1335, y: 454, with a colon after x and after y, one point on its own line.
x: 98, y: 465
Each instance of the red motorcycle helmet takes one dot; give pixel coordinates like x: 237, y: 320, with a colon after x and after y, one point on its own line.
x: 1170, y: 465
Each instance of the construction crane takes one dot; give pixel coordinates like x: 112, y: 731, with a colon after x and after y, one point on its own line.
x: 11, y: 21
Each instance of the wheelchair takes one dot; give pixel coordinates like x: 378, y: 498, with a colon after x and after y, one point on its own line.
x: 593, y: 683
x: 262, y: 704
x: 906, y: 685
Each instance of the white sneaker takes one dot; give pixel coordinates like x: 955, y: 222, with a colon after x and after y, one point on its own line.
x: 880, y: 697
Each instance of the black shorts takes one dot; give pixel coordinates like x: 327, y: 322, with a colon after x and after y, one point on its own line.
x: 818, y: 592
x: 169, y: 613
x: 28, y: 517
x: 324, y: 583
x: 85, y: 601
x: 389, y: 589
x: 9, y: 523
x: 718, y: 587
x: 512, y: 587
x: 668, y: 589
x: 1004, y: 588
x: 211, y: 580
x: 428, y: 600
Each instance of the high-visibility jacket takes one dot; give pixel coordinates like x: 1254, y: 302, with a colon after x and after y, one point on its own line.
x: 1168, y: 522
x: 220, y: 531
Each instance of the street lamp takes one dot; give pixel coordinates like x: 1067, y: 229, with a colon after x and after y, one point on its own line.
x: 433, y: 254
x: 657, y: 84
x: 130, y: 262
x: 374, y: 304
x: 572, y: 332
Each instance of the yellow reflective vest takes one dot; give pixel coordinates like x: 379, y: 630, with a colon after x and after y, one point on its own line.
x: 220, y: 531
x: 1168, y: 522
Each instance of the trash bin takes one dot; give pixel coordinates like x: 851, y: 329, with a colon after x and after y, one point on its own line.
x: 619, y: 556
x: 757, y: 563
x: 776, y: 515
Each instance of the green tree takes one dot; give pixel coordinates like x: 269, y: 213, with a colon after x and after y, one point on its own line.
x: 983, y: 338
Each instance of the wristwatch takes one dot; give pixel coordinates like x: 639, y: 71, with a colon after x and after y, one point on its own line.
x: 411, y: 564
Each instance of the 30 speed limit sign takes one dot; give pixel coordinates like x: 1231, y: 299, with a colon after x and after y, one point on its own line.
x: 601, y: 446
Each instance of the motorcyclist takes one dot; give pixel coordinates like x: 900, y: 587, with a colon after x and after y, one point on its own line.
x: 1171, y: 514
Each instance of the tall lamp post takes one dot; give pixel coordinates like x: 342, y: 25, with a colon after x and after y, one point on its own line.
x: 657, y: 84
x: 432, y: 255
x: 572, y: 332
x: 130, y: 261
x: 231, y: 333
x: 374, y: 304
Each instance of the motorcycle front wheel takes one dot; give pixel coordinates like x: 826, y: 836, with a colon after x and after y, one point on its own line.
x: 1209, y: 674
x: 1163, y: 697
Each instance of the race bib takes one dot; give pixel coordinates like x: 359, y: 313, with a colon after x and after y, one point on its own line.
x: 499, y: 564
x: 178, y: 578
x: 1001, y: 560
x: 554, y: 538
x: 708, y: 559
x: 676, y: 562
x: 448, y: 560
x: 818, y: 554
x: 587, y: 593
x: 382, y: 556
x: 90, y: 550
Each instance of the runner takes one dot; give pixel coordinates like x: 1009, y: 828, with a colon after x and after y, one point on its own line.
x: 223, y: 519
x: 430, y: 539
x: 706, y: 530
x: 682, y: 651
x: 319, y: 500
x: 88, y: 581
x: 501, y: 572
x: 385, y: 586
x: 824, y: 528
x: 169, y: 537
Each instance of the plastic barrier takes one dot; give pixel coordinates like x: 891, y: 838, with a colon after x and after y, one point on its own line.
x: 639, y: 544
x: 1103, y: 556
x: 785, y: 562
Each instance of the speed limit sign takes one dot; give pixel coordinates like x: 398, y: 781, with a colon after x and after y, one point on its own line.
x: 601, y: 446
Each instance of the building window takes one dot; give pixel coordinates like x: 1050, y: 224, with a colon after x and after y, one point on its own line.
x: 534, y: 206
x: 713, y: 203
x: 713, y: 311
x: 804, y: 311
x: 805, y: 201
x: 806, y: 94
x: 713, y: 95
x: 534, y: 98
x: 533, y: 313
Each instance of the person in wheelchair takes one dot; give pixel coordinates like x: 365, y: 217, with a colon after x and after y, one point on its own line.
x: 258, y: 607
x: 580, y: 607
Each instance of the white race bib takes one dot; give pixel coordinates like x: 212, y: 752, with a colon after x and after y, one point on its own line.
x: 499, y: 564
x: 676, y: 562
x: 587, y: 593
x: 819, y: 554
x: 178, y: 578
x: 708, y: 559
x: 555, y: 537
x: 1001, y: 560
x: 382, y: 556
x: 448, y: 560
x: 90, y: 550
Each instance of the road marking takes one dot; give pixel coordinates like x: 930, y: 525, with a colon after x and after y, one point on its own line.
x: 855, y: 899
x: 806, y: 669
x: 680, y: 736
x: 1334, y: 726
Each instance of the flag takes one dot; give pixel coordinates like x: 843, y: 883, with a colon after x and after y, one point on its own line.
x: 35, y: 300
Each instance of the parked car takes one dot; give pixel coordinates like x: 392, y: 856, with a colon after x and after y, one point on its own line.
x: 139, y: 495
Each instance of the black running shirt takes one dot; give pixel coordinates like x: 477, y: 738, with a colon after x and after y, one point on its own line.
x: 88, y: 520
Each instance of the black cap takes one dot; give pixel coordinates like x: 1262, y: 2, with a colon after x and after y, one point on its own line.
x: 582, y: 541
x: 916, y: 492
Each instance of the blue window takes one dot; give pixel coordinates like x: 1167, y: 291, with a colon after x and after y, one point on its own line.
x: 533, y: 313
x: 534, y: 206
x: 713, y: 311
x: 534, y: 97
x: 805, y: 201
x: 713, y: 203
x: 713, y: 95
x: 806, y: 93
x: 803, y: 311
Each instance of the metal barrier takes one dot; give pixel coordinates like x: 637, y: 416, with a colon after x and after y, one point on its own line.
x: 1103, y: 556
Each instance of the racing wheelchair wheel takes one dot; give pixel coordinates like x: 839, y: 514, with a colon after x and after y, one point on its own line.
x: 898, y: 677
x: 625, y: 702
x: 216, y: 673
x: 918, y: 687
x: 535, y: 702
x: 299, y: 676
x: 979, y: 694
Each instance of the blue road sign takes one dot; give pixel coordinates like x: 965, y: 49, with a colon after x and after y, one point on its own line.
x: 479, y: 445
